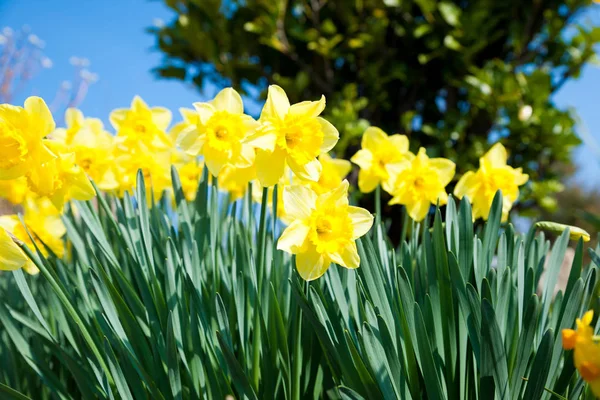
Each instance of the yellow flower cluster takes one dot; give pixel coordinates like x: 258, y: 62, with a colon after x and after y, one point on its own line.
x: 40, y: 174
x: 287, y: 146
x: 586, y: 347
x: 417, y: 181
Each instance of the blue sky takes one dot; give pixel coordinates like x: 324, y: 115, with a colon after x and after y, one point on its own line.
x: 111, y: 34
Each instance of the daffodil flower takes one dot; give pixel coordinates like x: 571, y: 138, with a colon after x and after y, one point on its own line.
x: 142, y: 126
x: 292, y: 135
x: 12, y: 257
x: 377, y: 156
x: 22, y: 130
x: 235, y: 180
x: 191, y: 119
x: 44, y: 223
x: 586, y: 350
x: 221, y: 130
x: 421, y: 182
x: 92, y: 146
x: 493, y: 175
x: 61, y: 179
x: 323, y: 229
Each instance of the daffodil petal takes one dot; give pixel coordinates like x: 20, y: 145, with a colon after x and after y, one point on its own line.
x: 80, y: 187
x: 262, y: 141
x: 418, y: 210
x: 270, y: 166
x: 400, y: 142
x: 308, y: 109
x: 215, y: 160
x: 277, y: 104
x: 11, y: 256
x: 445, y: 169
x: 228, y: 100
x: 374, y: 138
x: 311, y: 265
x: 40, y: 116
x: 205, y: 112
x: 161, y: 117
x: 30, y: 268
x: 464, y: 185
x: 299, y: 201
x: 348, y: 257
x: 496, y: 156
x: 338, y: 196
x: 191, y: 141
x: 363, y: 158
x: 293, y: 237
x: 310, y: 171
x: 367, y: 181
x: 362, y: 220
x: 117, y: 117
x: 330, y: 135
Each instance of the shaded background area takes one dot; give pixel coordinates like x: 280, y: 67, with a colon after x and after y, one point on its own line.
x: 112, y: 36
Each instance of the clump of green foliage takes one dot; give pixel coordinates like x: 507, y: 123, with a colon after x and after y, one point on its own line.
x: 194, y: 301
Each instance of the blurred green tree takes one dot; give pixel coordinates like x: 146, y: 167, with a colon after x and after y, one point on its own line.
x: 454, y: 75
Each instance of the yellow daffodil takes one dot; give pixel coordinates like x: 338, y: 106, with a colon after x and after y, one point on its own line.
x: 190, y: 172
x: 92, y: 146
x: 44, y: 224
x: 323, y: 230
x: 292, y: 135
x: 219, y: 134
x: 142, y: 126
x: 333, y: 172
x: 22, y: 131
x: 61, y: 179
x: 14, y: 190
x: 156, y: 169
x: 493, y: 175
x: 586, y: 350
x: 235, y: 180
x: 378, y: 154
x: 421, y: 182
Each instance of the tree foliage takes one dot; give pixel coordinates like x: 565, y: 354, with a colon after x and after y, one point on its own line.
x: 454, y: 75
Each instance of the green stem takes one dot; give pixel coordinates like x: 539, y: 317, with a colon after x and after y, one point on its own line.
x: 262, y: 235
x: 377, y: 205
x: 405, y: 221
x: 297, y: 360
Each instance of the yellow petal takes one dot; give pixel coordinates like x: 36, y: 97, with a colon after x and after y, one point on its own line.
x: 41, y: 178
x: 374, y: 139
x: 270, y: 166
x: 338, y: 196
x: 293, y: 237
x: 347, y: 257
x: 341, y: 167
x: 465, y: 185
x: 190, y: 116
x: 161, y: 117
x: 205, y: 111
x: 215, y: 160
x: 11, y: 256
x: 117, y: 117
x: 299, y: 201
x: 330, y: 135
x: 367, y: 181
x: 308, y: 109
x: 363, y: 158
x: 400, y: 142
x: 263, y: 141
x: 138, y: 105
x: 246, y: 158
x: 228, y: 100
x: 30, y: 268
x: 362, y: 220
x: 445, y: 169
x: 40, y: 115
x: 277, y: 104
x: 14, y: 172
x: 80, y: 186
x: 496, y: 156
x: 55, y: 227
x: 311, y: 265
x: 310, y: 171
x: 418, y: 210
x: 191, y: 141
x: 73, y: 117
